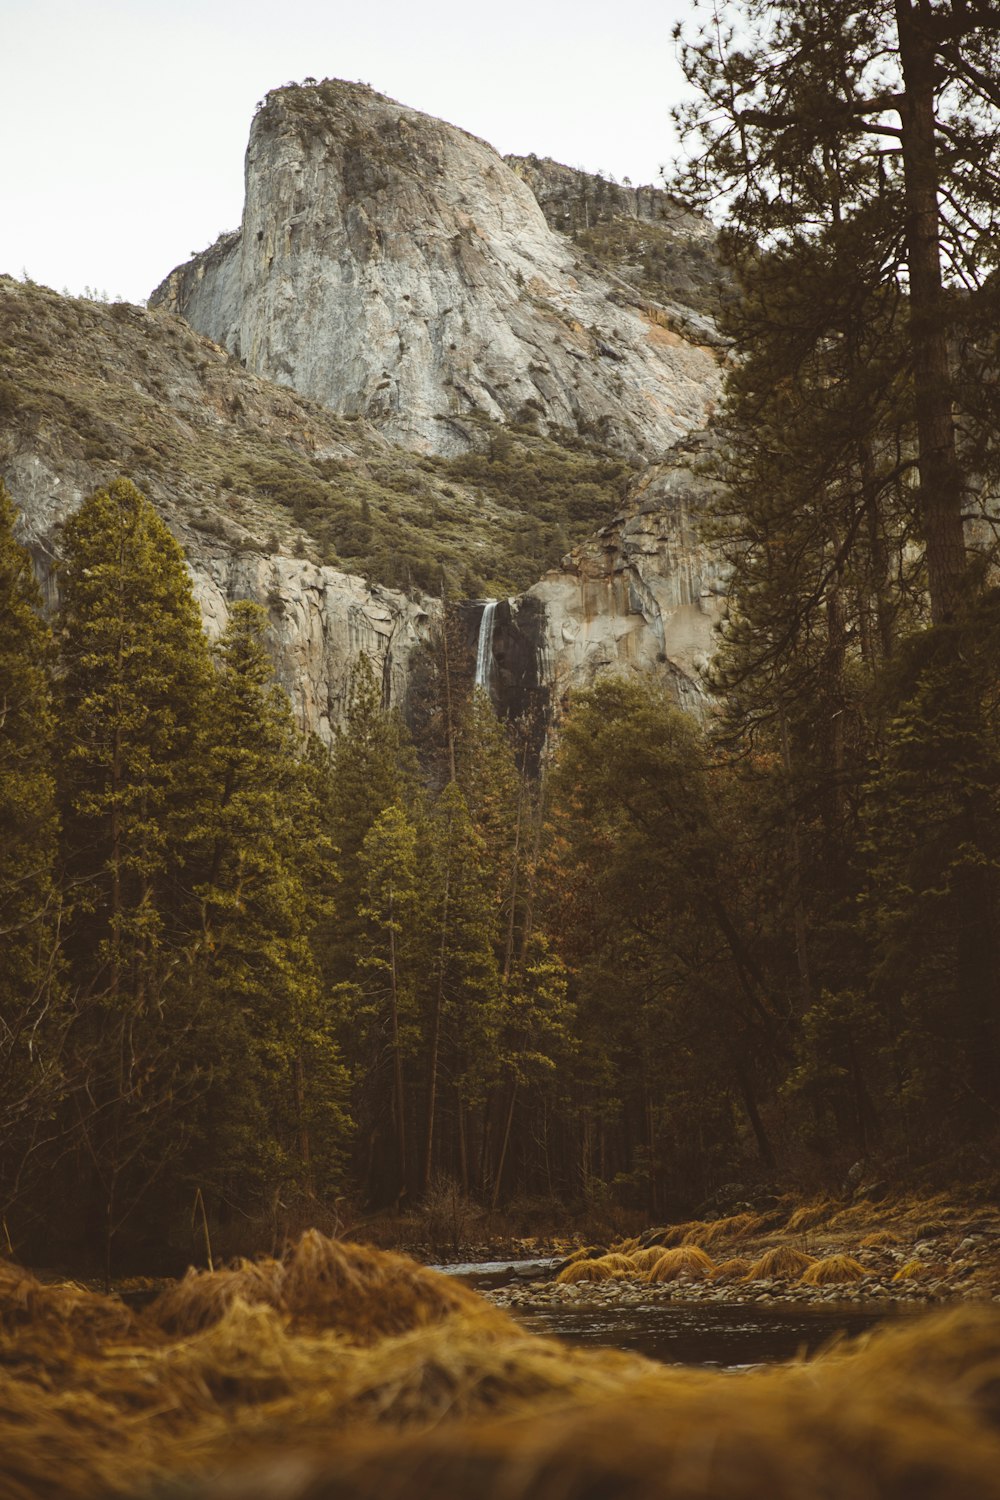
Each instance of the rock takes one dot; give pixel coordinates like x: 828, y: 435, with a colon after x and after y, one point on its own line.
x: 641, y: 598
x: 392, y: 266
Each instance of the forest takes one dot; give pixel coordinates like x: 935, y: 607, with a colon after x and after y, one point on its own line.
x: 253, y: 982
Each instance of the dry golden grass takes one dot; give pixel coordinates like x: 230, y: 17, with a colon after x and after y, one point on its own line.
x: 321, y: 1283
x: 912, y: 1412
x: 585, y: 1270
x: 646, y: 1259
x: 678, y: 1234
x: 619, y: 1265
x: 293, y: 1404
x: 913, y: 1270
x: 736, y: 1227
x: 586, y: 1252
x: 684, y: 1260
x: 834, y: 1270
x: 780, y: 1264
x: 811, y: 1214
x: 732, y: 1270
x: 879, y: 1239
x: 28, y: 1303
x: 855, y: 1215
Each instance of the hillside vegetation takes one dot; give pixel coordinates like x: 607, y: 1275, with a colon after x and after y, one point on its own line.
x: 94, y: 390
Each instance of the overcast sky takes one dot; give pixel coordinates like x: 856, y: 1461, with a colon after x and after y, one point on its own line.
x: 123, y: 123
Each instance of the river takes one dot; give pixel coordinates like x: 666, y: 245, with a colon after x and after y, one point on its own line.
x: 729, y: 1335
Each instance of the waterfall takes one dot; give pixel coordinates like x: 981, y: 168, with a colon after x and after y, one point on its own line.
x: 484, y: 651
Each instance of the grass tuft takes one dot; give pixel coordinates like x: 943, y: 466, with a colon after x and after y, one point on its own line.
x: 833, y: 1270
x: 878, y: 1240
x: 732, y: 1270
x: 684, y: 1260
x: 736, y: 1227
x: 811, y: 1214
x: 780, y: 1264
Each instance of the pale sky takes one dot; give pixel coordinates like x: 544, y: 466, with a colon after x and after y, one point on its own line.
x: 123, y: 123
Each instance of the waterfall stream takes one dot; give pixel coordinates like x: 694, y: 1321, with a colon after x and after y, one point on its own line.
x: 484, y: 650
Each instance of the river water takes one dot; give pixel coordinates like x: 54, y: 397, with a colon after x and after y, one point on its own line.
x: 726, y: 1335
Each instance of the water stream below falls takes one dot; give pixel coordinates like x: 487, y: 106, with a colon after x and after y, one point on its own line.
x: 726, y: 1335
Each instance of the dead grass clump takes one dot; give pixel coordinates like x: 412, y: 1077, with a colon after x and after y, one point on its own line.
x: 320, y: 1283
x: 879, y: 1239
x: 809, y: 1215
x: 834, y: 1270
x: 736, y: 1227
x: 586, y: 1252
x: 684, y: 1260
x: 619, y: 1265
x: 856, y: 1214
x: 202, y: 1298
x: 26, y: 1302
x: 585, y: 1270
x: 645, y: 1260
x: 913, y: 1270
x: 732, y: 1270
x: 906, y: 1413
x: 783, y: 1263
x: 674, y: 1234
x: 930, y: 1229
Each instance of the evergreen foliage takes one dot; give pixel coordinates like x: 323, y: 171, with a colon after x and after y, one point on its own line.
x: 33, y: 1012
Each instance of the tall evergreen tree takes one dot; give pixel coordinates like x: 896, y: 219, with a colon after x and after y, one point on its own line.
x: 274, y: 1118
x: 881, y: 120
x: 32, y: 1013
x: 389, y: 916
x: 133, y: 693
x: 372, y: 767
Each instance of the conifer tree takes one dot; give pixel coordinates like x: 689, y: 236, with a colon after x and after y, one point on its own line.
x: 32, y: 1015
x: 881, y: 120
x: 274, y: 1119
x: 372, y: 767
x: 133, y: 692
x: 462, y: 992
x: 389, y: 918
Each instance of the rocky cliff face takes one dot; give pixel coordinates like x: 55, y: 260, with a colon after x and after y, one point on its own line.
x: 392, y: 266
x: 88, y: 391
x: 643, y: 597
x: 641, y: 236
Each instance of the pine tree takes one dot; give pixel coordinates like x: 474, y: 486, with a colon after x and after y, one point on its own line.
x: 389, y: 918
x: 462, y: 988
x: 274, y: 1120
x: 133, y: 693
x: 32, y: 1016
x: 799, y: 133
x: 372, y: 767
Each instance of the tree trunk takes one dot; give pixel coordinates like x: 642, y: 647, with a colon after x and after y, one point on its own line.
x: 435, y: 1046
x: 503, y: 1147
x: 941, y: 490
x: 397, y: 1061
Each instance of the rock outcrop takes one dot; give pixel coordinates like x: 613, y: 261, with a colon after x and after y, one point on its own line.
x: 88, y: 391
x: 640, y: 235
x: 642, y: 597
x: 394, y: 267
x: 394, y: 282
